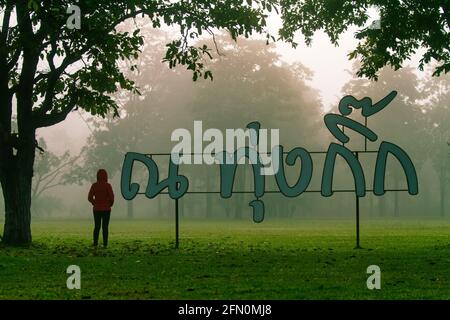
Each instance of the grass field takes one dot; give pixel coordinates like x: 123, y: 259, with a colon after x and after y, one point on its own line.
x: 291, y: 259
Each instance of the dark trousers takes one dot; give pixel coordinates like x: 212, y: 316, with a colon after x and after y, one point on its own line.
x: 101, y: 219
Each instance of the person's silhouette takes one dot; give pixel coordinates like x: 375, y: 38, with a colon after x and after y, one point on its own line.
x: 101, y: 196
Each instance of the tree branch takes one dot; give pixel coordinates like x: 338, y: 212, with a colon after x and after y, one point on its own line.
x: 58, y: 170
x: 48, y: 120
x: 5, y: 26
x: 15, y: 57
x: 53, y: 77
x: 5, y: 98
x: 52, y: 119
x: 29, y: 64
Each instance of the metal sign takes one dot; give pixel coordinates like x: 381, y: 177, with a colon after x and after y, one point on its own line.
x: 178, y: 185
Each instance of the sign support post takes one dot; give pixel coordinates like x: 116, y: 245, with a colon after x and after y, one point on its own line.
x: 357, y: 213
x: 177, y: 224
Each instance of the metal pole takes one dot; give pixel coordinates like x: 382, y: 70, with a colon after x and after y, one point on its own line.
x: 177, y: 224
x: 365, y: 138
x: 357, y: 216
x: 357, y: 223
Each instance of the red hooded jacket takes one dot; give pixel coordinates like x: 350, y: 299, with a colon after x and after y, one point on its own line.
x: 101, y: 194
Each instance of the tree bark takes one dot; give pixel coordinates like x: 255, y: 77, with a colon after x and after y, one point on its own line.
x: 17, y: 151
x: 16, y: 173
x: 16, y: 178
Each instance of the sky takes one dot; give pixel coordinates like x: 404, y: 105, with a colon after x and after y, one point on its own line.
x: 328, y: 62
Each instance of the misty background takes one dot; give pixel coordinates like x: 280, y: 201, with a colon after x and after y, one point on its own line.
x: 278, y: 86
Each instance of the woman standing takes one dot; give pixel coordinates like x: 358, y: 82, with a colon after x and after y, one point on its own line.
x: 101, y: 196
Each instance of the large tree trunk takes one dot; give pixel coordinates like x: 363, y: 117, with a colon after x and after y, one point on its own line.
x: 16, y: 169
x: 16, y: 178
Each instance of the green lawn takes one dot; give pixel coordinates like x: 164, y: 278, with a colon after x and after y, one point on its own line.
x: 290, y: 259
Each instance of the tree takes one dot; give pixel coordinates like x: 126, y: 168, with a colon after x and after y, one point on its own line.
x: 405, y: 27
x: 404, y: 114
x: 49, y: 172
x: 48, y: 69
x: 438, y: 132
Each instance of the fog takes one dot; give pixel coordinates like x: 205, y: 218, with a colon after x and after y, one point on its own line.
x: 283, y: 88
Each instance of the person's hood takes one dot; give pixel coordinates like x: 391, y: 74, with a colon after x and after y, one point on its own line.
x: 102, y: 175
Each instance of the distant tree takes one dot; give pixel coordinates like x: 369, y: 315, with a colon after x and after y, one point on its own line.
x: 49, y: 173
x: 437, y: 131
x: 252, y: 83
x: 142, y: 118
x: 403, y: 120
x: 405, y: 28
